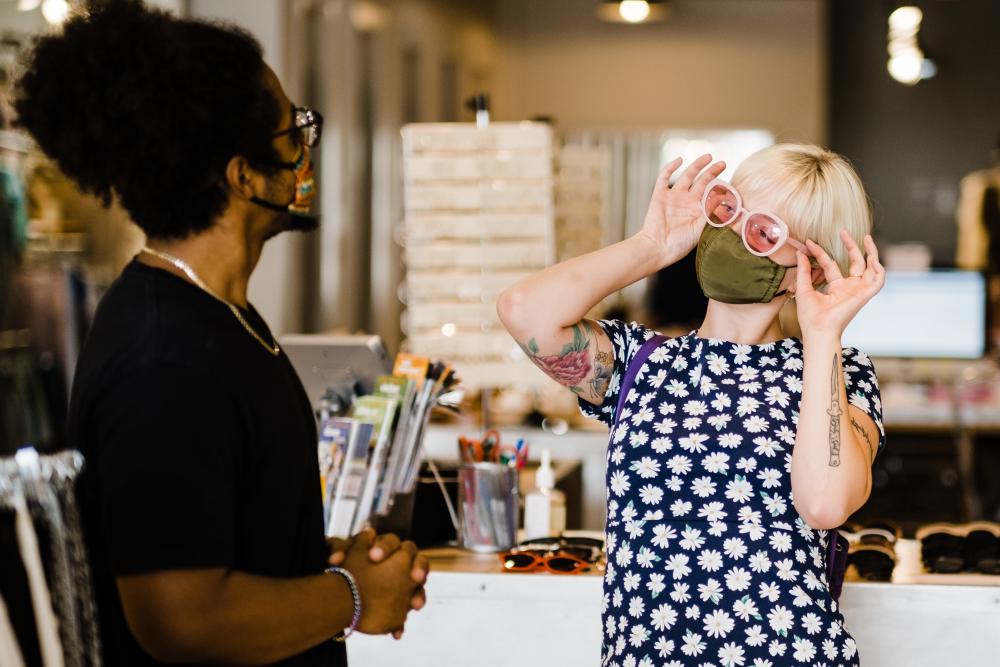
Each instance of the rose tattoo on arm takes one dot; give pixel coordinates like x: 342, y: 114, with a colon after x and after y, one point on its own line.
x: 581, y: 365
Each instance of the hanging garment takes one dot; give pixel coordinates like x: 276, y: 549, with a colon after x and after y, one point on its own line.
x: 61, y: 581
x: 45, y: 618
x: 10, y: 651
x: 973, y: 245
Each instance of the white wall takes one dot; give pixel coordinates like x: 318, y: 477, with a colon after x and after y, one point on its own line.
x: 276, y: 286
x: 718, y: 63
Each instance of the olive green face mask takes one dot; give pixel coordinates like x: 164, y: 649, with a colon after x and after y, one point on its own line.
x: 729, y: 273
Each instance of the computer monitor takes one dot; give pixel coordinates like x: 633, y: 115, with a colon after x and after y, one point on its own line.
x: 938, y: 314
x: 323, y: 360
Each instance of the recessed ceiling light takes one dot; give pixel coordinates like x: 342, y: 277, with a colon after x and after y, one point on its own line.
x: 633, y: 11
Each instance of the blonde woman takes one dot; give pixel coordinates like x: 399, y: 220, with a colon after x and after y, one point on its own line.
x: 737, y: 448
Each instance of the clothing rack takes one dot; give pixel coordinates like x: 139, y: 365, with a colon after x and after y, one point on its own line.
x: 41, y: 489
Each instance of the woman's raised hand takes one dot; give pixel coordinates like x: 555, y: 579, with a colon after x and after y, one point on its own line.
x: 674, y: 220
x: 830, y: 313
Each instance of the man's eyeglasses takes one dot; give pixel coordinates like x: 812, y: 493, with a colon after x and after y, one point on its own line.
x: 309, y: 125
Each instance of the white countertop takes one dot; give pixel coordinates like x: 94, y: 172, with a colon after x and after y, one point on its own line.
x: 477, y: 615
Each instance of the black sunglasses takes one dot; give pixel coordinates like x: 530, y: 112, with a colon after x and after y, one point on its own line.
x: 309, y: 125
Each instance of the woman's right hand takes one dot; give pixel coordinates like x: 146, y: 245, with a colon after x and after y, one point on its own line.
x: 674, y: 220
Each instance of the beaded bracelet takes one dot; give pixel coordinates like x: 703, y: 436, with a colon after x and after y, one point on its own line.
x: 353, y: 585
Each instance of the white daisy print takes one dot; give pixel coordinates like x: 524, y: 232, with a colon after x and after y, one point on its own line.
x: 756, y: 636
x: 694, y: 443
x: 636, y: 607
x: 716, y: 463
x: 691, y: 538
x: 739, y: 490
x: 780, y: 619
x: 677, y: 564
x: 735, y: 548
x: 662, y: 534
x: 730, y: 440
x: 712, y: 512
x: 709, y: 562
x: 638, y: 636
x: 746, y: 406
x: 651, y: 495
x: 703, y: 487
x: 759, y: 562
x: 661, y: 445
x: 738, y: 579
x: 804, y: 649
x: 717, y: 364
x: 718, y: 624
x: 624, y: 555
x: 731, y: 655
x: 646, y: 558
x: 679, y: 464
x: 656, y: 584
x: 620, y: 483
x: 646, y: 467
x: 680, y: 508
x: 665, y: 426
x: 775, y: 396
x: 745, y: 609
x: 719, y: 422
x: 663, y: 617
x: 812, y: 623
x: 693, y: 646
x: 691, y: 423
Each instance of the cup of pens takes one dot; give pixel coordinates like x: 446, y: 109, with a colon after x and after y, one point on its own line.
x: 488, y: 506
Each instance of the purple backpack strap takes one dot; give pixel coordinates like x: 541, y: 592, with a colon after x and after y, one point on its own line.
x: 633, y: 369
x: 836, y: 562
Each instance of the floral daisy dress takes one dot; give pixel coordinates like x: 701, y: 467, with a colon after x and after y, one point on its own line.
x: 709, y: 564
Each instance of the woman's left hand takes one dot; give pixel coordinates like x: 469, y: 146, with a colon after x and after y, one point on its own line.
x: 829, y: 313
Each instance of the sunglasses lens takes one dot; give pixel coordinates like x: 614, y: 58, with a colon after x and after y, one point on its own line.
x: 561, y: 564
x: 518, y: 561
x: 721, y: 206
x: 762, y: 233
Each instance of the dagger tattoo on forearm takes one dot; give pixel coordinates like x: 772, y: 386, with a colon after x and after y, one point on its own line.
x: 835, y: 412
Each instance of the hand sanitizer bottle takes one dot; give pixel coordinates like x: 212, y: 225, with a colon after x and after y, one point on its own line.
x: 544, y: 506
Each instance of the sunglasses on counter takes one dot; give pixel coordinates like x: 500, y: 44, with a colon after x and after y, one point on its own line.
x: 558, y: 555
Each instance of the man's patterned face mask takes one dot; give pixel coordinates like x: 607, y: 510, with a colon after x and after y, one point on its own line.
x: 305, y: 187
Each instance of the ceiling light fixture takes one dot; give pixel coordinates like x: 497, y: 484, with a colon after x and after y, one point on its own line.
x: 907, y: 63
x: 633, y: 11
x: 55, y: 11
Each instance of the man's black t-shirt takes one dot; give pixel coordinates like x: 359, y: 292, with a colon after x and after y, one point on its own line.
x: 200, y: 449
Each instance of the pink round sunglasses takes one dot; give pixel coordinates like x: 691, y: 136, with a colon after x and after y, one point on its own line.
x: 764, y: 233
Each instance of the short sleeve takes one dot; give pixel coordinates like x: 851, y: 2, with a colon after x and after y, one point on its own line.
x: 168, y: 457
x: 862, y: 387
x: 626, y: 339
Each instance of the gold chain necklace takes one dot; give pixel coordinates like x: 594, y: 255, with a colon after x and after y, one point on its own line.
x: 189, y: 272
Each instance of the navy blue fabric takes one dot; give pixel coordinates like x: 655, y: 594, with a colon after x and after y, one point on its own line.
x: 708, y: 561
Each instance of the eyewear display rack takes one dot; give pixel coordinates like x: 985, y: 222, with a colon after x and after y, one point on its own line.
x: 581, y: 176
x: 478, y: 216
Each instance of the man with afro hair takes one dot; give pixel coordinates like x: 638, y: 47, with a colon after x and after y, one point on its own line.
x: 201, y: 500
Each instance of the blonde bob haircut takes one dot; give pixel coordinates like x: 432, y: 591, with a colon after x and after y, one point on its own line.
x: 815, y: 191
